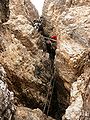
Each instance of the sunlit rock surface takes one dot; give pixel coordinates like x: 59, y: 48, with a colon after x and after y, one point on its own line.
x: 23, y: 7
x: 52, y: 9
x: 69, y: 20
x: 72, y: 28
x: 6, y: 98
x: 74, y: 42
x: 21, y: 53
x: 23, y: 113
x: 79, y: 108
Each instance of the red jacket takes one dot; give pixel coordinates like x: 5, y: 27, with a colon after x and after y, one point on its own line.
x: 54, y: 37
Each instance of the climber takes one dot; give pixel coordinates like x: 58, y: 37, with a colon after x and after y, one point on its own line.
x: 38, y: 25
x: 54, y: 42
x: 51, y: 44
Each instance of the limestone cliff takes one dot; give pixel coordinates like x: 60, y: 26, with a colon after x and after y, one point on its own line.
x: 6, y: 98
x: 22, y: 56
x: 69, y: 20
x: 23, y: 7
x: 8, y: 111
x: 29, y: 69
x: 79, y: 108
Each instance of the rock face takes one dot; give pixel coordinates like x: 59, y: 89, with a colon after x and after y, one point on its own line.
x: 12, y: 8
x: 23, y: 7
x: 25, y: 65
x: 80, y: 98
x: 69, y: 20
x: 72, y: 28
x: 79, y: 2
x: 74, y: 43
x: 29, y: 68
x: 6, y: 98
x: 4, y: 10
x: 7, y: 108
x: 23, y: 113
x: 21, y: 54
x: 52, y: 9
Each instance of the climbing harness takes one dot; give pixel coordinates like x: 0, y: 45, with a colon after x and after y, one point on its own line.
x: 51, y: 41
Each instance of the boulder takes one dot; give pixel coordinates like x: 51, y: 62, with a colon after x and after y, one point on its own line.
x: 6, y: 98
x: 21, y: 53
x: 73, y: 43
x: 51, y: 11
x: 23, y: 113
x: 79, y: 108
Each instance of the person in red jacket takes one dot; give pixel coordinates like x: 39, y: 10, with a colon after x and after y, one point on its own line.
x: 54, y: 42
x: 51, y: 44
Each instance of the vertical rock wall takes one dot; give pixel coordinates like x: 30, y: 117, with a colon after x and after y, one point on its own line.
x: 21, y: 53
x: 23, y: 7
x: 70, y: 22
x: 72, y: 28
x: 79, y: 108
x: 6, y: 98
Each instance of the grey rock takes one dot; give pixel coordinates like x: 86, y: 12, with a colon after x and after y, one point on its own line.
x: 6, y: 98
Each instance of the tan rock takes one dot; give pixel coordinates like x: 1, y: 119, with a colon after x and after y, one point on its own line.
x: 23, y: 61
x: 23, y: 7
x: 80, y: 2
x: 73, y: 43
x: 23, y: 113
x: 22, y: 56
x: 79, y: 108
x: 51, y: 10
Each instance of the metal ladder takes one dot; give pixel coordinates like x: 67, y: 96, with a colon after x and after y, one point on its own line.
x: 49, y: 93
